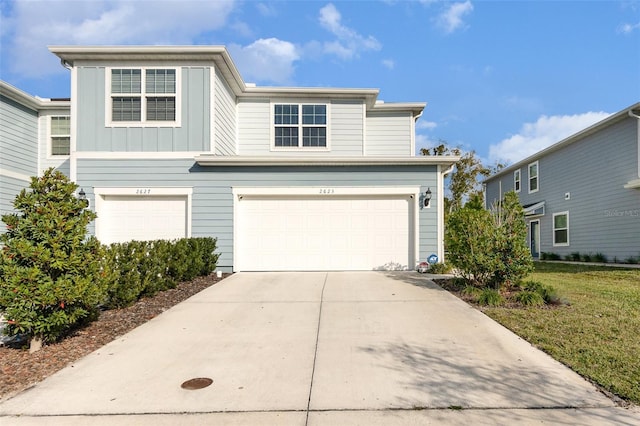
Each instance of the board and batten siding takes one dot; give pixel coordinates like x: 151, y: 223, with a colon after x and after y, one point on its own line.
x: 225, y: 118
x: 388, y: 133
x: 193, y: 134
x: 212, y: 199
x: 19, y: 141
x: 586, y: 179
x: 345, y: 126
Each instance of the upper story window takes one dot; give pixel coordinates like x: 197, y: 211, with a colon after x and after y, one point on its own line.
x: 144, y: 95
x: 60, y: 135
x: 516, y: 181
x: 300, y: 125
x: 533, y: 177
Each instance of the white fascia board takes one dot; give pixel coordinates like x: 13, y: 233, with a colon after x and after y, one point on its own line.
x: 416, y: 108
x: 324, y: 190
x: 368, y: 95
x: 30, y: 101
x: 212, y: 160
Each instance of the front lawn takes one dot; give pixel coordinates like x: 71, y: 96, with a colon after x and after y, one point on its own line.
x: 598, y: 334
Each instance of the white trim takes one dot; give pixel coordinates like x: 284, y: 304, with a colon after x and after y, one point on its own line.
x: 243, y: 161
x: 537, y: 177
x: 632, y: 184
x: 529, y: 211
x: 73, y: 163
x: 364, y: 129
x: 213, y: 79
x: 299, y: 103
x: 538, y: 236
x: 139, y: 155
x: 553, y: 229
x: 108, y: 119
x: 519, y: 180
x: 15, y: 175
x: 49, y: 136
x: 440, y: 213
x: 141, y: 191
x: 331, y: 191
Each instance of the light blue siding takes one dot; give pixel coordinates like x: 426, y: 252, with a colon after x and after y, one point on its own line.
x: 192, y: 135
x: 389, y: 133
x: 212, y: 201
x: 225, y: 118
x: 347, y: 128
x: 586, y: 179
x: 18, y: 138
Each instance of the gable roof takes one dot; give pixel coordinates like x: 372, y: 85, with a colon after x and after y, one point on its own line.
x: 576, y: 137
x: 72, y: 55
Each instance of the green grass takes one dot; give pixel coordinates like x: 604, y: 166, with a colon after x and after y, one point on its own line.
x: 598, y: 334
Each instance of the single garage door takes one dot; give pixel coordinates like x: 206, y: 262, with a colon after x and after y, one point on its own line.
x: 307, y: 233
x: 125, y: 218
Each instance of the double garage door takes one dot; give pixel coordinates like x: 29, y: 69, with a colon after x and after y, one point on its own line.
x: 308, y: 233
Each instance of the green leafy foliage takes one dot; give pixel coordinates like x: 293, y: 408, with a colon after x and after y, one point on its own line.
x: 489, y: 248
x: 48, y: 265
x: 439, y: 268
x: 490, y: 297
x: 137, y: 269
x: 529, y: 298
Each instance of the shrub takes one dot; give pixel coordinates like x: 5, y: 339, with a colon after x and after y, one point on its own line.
x: 586, y: 257
x: 439, y: 268
x: 600, y: 258
x: 48, y: 266
x: 490, y: 297
x: 575, y: 256
x: 549, y: 256
x: 142, y: 268
x: 471, y: 292
x: 546, y: 292
x: 529, y: 298
x: 489, y: 247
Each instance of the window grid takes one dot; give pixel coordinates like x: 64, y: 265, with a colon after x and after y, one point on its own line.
x: 157, y: 102
x: 561, y: 229
x: 60, y: 135
x: 533, y: 177
x: 516, y: 181
x: 289, y: 127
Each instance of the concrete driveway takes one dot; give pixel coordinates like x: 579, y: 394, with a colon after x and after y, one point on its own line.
x: 317, y: 348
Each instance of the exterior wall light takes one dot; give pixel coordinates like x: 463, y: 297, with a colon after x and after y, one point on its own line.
x: 427, y: 197
x: 82, y: 196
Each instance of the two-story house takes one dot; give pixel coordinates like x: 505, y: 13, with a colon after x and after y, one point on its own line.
x: 169, y: 142
x: 34, y: 135
x: 582, y: 194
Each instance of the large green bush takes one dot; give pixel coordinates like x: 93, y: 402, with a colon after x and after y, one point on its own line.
x: 142, y: 268
x: 488, y: 247
x: 48, y: 266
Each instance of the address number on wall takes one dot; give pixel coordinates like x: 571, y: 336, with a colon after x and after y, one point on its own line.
x: 327, y: 191
x: 143, y: 191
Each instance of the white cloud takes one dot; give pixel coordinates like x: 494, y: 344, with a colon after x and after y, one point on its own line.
x: 389, y: 63
x: 33, y: 25
x: 451, y: 19
x: 428, y: 125
x: 348, y: 42
x: 266, y: 10
x: 266, y: 60
x: 627, y: 28
x: 546, y: 131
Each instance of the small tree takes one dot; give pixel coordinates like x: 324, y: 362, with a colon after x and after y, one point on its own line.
x: 48, y: 268
x: 489, y: 247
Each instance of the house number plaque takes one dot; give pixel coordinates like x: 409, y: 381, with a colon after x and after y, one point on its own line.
x: 143, y: 191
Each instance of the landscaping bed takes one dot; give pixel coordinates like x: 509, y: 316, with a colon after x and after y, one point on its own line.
x: 19, y: 369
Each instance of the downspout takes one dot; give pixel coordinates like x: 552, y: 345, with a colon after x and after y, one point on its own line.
x: 440, y: 229
x: 631, y: 114
x: 66, y: 64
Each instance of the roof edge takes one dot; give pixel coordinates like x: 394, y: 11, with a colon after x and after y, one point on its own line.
x: 238, y: 161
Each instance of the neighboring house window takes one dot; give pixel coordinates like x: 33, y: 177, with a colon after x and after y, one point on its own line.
x: 533, y: 177
x: 143, y: 95
x: 561, y: 229
x: 516, y: 180
x: 300, y: 125
x: 60, y: 135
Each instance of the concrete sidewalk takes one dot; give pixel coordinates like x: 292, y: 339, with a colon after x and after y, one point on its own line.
x: 319, y: 349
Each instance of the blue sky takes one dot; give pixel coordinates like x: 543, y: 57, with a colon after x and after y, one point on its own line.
x: 505, y: 78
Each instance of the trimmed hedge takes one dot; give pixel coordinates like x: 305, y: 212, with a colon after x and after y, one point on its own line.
x: 136, y: 269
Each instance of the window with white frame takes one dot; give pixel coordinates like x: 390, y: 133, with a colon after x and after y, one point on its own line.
x: 561, y: 229
x: 300, y: 125
x: 60, y: 130
x: 516, y: 180
x: 143, y: 95
x: 533, y: 177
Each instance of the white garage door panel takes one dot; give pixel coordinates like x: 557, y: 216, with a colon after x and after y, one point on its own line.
x: 322, y: 233
x: 126, y: 218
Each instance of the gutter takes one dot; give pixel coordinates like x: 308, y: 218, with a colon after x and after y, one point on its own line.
x: 254, y: 161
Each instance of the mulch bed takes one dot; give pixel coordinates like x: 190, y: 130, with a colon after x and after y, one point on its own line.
x: 20, y: 370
